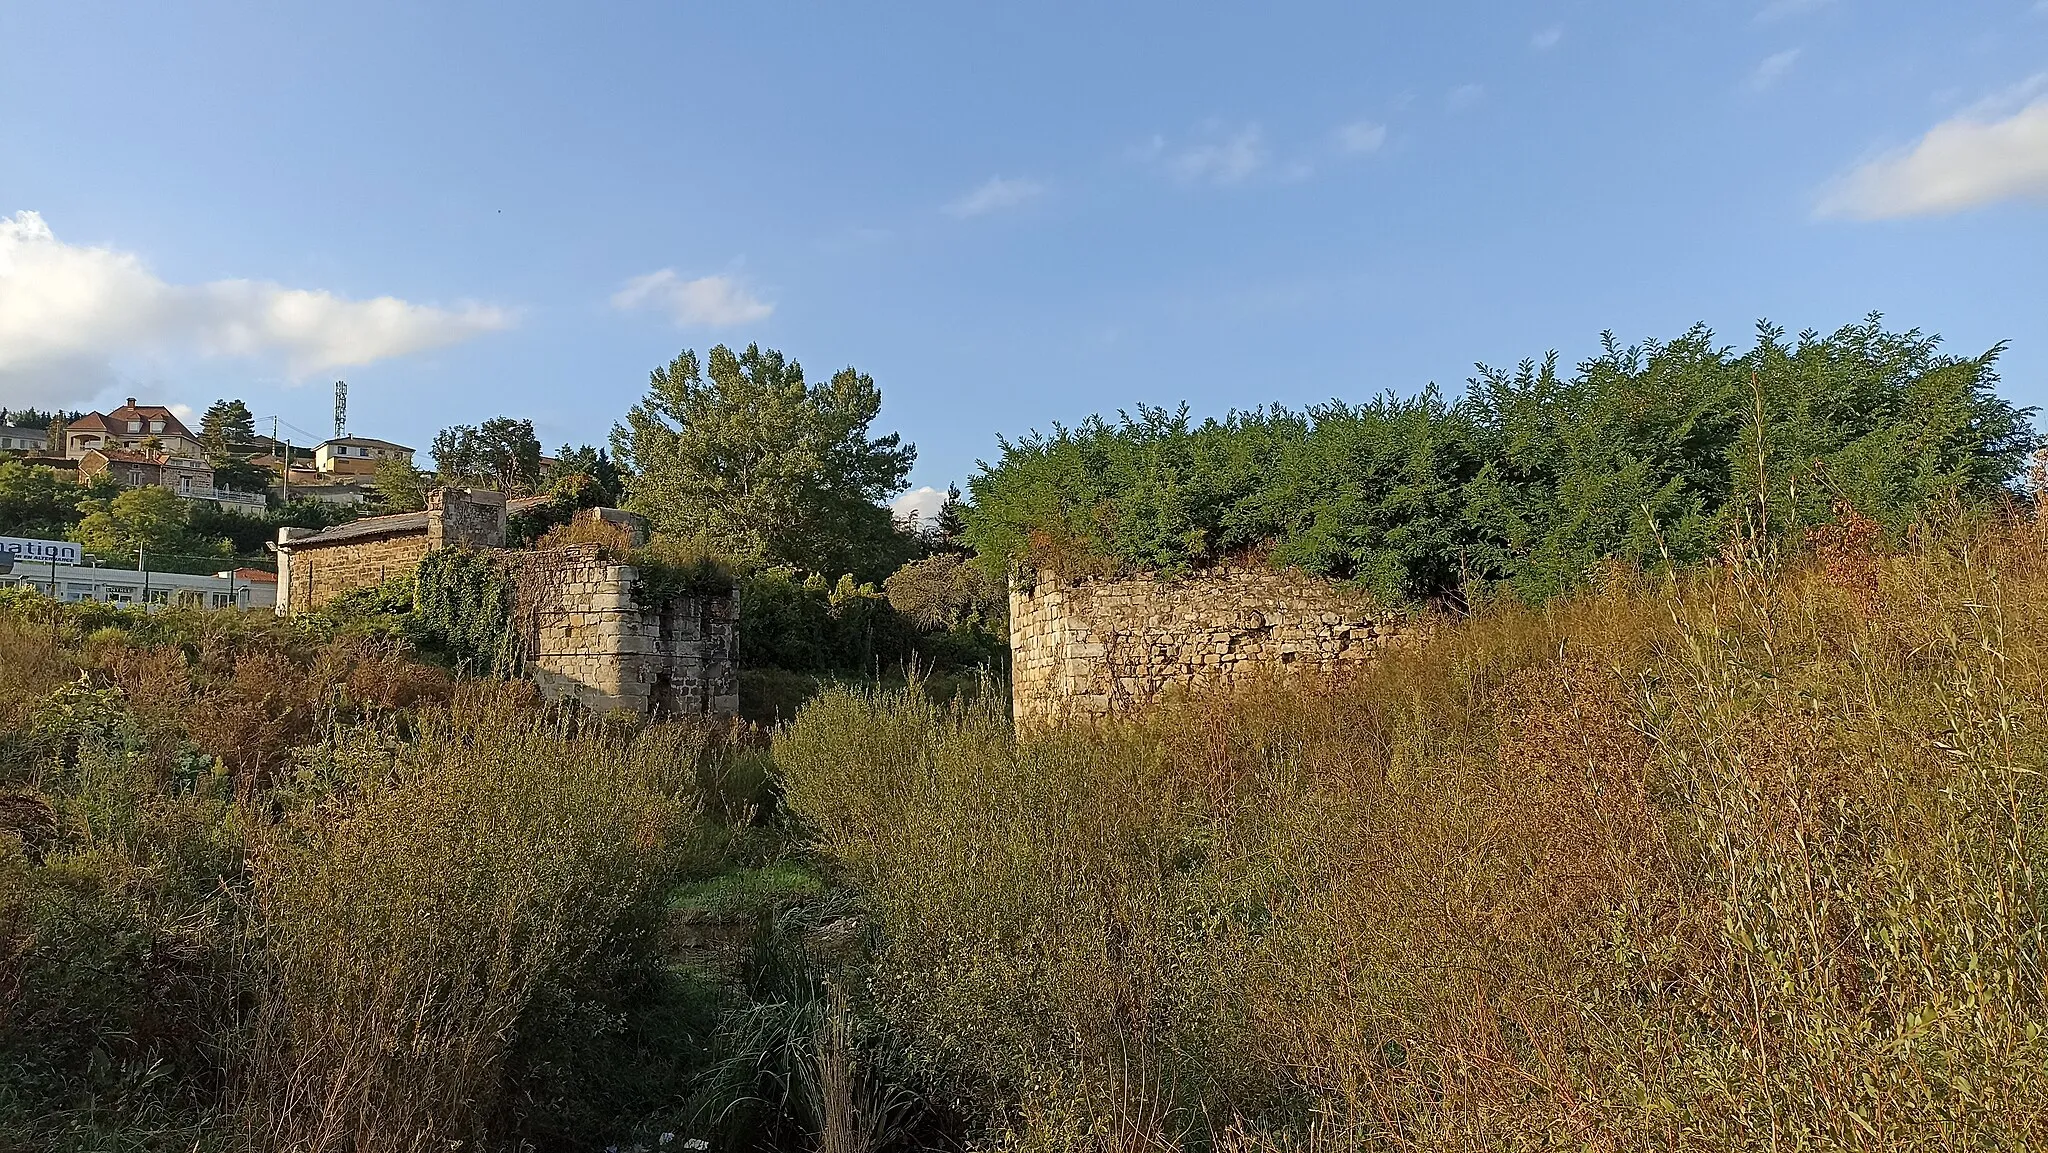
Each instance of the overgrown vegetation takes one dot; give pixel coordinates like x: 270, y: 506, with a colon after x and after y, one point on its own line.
x: 1652, y: 455
x: 263, y: 887
x: 1751, y: 858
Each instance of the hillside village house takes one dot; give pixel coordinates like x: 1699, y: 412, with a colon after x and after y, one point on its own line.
x: 141, y: 445
x: 17, y: 438
x: 132, y: 427
x: 356, y: 455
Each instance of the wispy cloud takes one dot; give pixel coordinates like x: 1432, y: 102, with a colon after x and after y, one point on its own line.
x: 1995, y: 150
x: 708, y: 301
x: 1221, y: 155
x: 1361, y: 137
x: 68, y: 311
x: 1770, y: 70
x: 1547, y: 38
x: 1778, y: 10
x: 1464, y: 96
x: 995, y: 196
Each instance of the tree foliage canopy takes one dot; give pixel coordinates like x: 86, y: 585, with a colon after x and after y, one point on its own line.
x: 1649, y: 454
x: 501, y: 453
x: 226, y: 423
x: 150, y: 518
x: 741, y: 452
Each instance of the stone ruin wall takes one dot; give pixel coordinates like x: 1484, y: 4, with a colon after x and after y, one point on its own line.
x: 589, y: 640
x: 586, y: 636
x: 312, y: 572
x: 320, y: 575
x: 1089, y: 648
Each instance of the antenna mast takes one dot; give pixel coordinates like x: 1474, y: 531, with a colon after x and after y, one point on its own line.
x: 340, y: 409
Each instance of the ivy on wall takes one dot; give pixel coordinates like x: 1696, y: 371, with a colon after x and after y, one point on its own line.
x: 464, y: 603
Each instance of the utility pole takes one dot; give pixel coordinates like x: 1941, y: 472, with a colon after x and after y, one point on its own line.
x: 143, y: 564
x: 287, y: 459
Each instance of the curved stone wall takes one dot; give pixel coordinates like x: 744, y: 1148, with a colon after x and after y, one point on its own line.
x: 1088, y: 648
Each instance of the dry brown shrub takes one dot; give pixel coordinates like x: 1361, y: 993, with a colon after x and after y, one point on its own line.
x: 1734, y: 859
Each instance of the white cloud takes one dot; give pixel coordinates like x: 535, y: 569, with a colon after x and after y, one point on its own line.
x: 1464, y: 96
x: 1362, y: 136
x: 1224, y: 158
x: 1786, y: 9
x: 995, y: 196
x: 69, y: 313
x: 1548, y: 38
x: 1771, y: 69
x: 919, y: 505
x: 1988, y: 153
x: 712, y: 301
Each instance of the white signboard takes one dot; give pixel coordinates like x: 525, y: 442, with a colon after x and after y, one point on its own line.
x: 24, y: 549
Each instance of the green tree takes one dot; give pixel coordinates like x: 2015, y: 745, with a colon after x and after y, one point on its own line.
x: 151, y: 518
x: 500, y: 453
x: 239, y: 474
x: 401, y: 487
x: 743, y: 453
x: 226, y: 423
x: 591, y: 462
x: 39, y: 501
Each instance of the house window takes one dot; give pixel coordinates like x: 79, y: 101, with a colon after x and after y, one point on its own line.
x: 156, y: 426
x: 134, y: 426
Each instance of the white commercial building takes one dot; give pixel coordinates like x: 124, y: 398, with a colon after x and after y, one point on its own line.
x: 51, y: 569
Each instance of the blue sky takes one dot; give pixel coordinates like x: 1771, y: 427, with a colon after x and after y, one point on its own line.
x: 1009, y: 217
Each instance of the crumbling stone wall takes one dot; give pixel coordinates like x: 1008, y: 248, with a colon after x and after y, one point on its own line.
x: 311, y: 578
x: 315, y: 567
x: 589, y: 639
x: 586, y: 635
x: 1088, y: 648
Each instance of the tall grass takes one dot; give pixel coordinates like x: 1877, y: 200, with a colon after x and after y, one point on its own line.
x: 1752, y: 860
x: 409, y: 925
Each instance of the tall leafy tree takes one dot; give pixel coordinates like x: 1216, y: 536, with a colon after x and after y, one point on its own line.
x: 38, y: 501
x: 225, y: 424
x: 742, y: 452
x: 500, y: 453
x: 401, y: 487
x: 151, y: 518
x: 592, y: 462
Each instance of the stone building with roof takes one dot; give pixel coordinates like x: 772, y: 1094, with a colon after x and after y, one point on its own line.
x: 585, y: 627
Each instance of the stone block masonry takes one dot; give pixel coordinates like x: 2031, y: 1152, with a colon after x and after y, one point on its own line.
x: 315, y: 567
x: 589, y: 639
x: 1091, y: 648
x: 586, y: 635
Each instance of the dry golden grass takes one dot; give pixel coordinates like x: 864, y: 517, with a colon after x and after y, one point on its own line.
x: 1752, y: 860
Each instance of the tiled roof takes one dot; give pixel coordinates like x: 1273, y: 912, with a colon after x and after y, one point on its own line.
x: 116, y: 422
x: 369, y: 526
x: 367, y: 441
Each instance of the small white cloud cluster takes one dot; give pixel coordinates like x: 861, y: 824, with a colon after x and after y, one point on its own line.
x: 918, y: 506
x: 995, y: 196
x: 1993, y: 151
x: 69, y: 312
x: 708, y: 301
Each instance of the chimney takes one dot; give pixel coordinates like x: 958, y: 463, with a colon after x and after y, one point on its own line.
x: 131, y: 402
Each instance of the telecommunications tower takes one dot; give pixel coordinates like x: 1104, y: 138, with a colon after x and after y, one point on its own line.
x: 340, y: 409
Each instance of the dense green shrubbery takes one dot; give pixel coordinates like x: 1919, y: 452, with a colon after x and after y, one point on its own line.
x: 1646, y: 454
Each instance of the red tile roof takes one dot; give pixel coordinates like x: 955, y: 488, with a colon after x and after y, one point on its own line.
x: 116, y: 422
